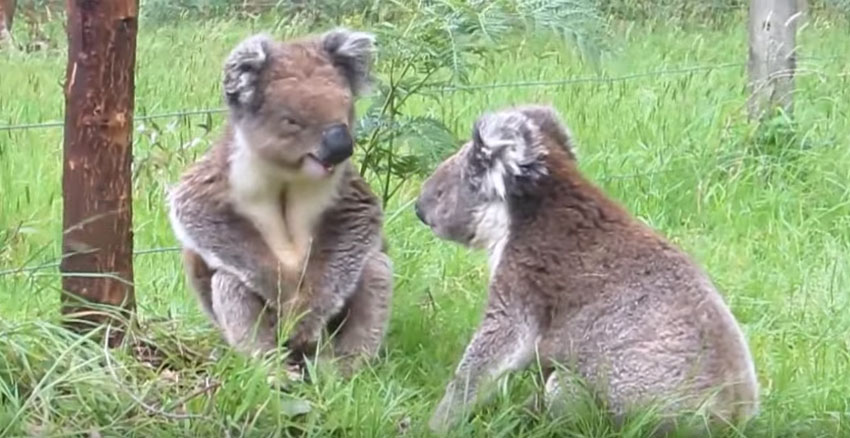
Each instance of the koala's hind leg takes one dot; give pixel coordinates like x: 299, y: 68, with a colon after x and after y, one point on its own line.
x: 199, y: 276
x: 504, y: 342
x: 247, y: 324
x: 366, y: 315
x: 560, y: 392
x: 566, y: 393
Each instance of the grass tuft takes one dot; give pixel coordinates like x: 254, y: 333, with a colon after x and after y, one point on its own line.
x: 766, y: 210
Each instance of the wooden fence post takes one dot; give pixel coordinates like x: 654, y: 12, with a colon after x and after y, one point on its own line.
x: 97, y: 243
x: 7, y: 17
x: 772, y: 60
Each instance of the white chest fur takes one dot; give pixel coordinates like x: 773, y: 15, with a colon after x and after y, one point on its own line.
x: 258, y: 187
x: 491, y: 231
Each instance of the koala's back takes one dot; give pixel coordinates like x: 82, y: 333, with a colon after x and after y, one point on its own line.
x: 665, y: 339
x: 631, y: 312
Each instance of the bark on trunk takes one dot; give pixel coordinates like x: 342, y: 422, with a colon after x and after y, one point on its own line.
x: 7, y: 16
x: 772, y: 60
x: 97, y: 242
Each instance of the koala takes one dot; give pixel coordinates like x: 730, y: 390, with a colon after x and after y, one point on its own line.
x: 605, y: 305
x: 275, y: 224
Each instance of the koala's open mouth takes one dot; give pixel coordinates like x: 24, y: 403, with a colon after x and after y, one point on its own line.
x: 312, y: 165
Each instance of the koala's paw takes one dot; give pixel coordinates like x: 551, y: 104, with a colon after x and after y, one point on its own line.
x: 440, y: 422
x: 445, y: 416
x: 294, y: 370
x: 292, y: 259
x: 301, y: 346
x: 291, y: 265
x: 291, y: 373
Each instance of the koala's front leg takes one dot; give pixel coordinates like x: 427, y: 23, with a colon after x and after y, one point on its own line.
x: 367, y: 315
x: 247, y: 324
x: 199, y: 276
x: 323, y: 303
x: 504, y: 342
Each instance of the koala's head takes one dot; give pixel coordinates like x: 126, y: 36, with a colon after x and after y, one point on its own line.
x: 467, y: 198
x: 292, y: 102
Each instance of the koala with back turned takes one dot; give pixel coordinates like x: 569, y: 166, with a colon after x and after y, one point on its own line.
x: 578, y: 285
x: 275, y: 223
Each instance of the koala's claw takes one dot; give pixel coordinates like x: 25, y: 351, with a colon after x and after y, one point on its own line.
x: 291, y: 373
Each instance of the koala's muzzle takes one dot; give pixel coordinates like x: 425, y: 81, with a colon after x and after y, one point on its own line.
x: 337, y: 145
x: 419, y: 213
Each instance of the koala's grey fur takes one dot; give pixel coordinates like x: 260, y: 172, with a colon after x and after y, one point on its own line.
x: 263, y: 244
x: 577, y: 282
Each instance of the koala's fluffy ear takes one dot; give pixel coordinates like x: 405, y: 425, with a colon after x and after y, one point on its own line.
x: 551, y: 126
x: 507, y: 148
x: 242, y: 71
x: 353, y: 53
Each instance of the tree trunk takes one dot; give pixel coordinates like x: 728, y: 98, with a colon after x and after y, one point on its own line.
x: 7, y: 16
x: 97, y: 244
x: 772, y: 61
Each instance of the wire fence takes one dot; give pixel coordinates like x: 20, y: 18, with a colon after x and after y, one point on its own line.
x: 55, y: 263
x: 458, y: 88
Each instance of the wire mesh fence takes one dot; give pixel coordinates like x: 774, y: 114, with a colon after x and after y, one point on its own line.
x: 460, y: 88
x: 30, y: 269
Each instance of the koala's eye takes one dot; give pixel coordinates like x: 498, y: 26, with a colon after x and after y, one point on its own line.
x: 288, y: 122
x: 289, y: 125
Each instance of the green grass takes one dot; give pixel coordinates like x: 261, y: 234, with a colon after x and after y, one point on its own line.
x: 766, y: 212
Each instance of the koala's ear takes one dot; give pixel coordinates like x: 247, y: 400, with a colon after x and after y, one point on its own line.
x: 551, y: 126
x: 242, y: 71
x: 353, y: 53
x: 507, y: 148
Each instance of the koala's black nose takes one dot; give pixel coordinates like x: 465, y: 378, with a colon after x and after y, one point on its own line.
x: 419, y: 213
x: 337, y: 145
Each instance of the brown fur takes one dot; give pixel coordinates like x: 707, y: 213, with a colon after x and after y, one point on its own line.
x: 263, y: 242
x: 578, y: 282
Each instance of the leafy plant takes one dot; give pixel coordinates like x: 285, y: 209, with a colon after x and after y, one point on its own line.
x: 778, y: 136
x: 425, y: 46
x: 840, y: 6
x: 164, y: 11
x: 677, y: 11
x: 430, y: 45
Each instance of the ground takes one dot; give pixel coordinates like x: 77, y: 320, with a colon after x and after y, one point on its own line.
x: 767, y: 213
